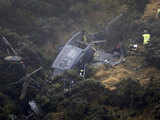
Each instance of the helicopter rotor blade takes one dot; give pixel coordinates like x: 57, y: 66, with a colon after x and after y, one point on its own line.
x: 9, y: 44
x: 82, y: 42
x: 96, y: 42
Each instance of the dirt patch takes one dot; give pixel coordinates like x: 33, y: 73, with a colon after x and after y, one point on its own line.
x: 113, y: 75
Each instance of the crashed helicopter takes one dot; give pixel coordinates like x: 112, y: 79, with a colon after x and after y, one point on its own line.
x: 76, y: 52
x: 73, y: 54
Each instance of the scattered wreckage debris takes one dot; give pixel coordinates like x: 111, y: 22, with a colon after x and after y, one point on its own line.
x: 9, y: 45
x: 26, y: 83
x: 102, y: 57
x: 36, y: 113
x: 77, y: 52
x: 14, y: 59
x: 34, y: 107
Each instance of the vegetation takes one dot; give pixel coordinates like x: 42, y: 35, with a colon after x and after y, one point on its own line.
x: 36, y: 27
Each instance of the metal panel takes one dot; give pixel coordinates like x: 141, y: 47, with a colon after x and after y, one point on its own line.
x: 67, y: 57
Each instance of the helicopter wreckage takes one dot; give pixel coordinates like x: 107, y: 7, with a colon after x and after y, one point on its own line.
x: 77, y: 53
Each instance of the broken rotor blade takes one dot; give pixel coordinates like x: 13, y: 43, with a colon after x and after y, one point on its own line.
x: 96, y: 42
x: 30, y: 74
x: 7, y: 43
x: 26, y: 83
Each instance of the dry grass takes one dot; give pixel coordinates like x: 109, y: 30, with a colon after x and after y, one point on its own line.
x: 113, y: 75
x: 110, y: 77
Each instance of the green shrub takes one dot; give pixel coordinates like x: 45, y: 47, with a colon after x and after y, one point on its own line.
x: 129, y: 93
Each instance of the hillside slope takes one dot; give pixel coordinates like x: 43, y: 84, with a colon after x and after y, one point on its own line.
x: 132, y: 68
x: 151, y: 9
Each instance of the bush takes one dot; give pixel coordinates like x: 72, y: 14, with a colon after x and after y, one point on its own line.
x: 153, y: 49
x: 7, y: 107
x: 136, y: 4
x: 129, y: 93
